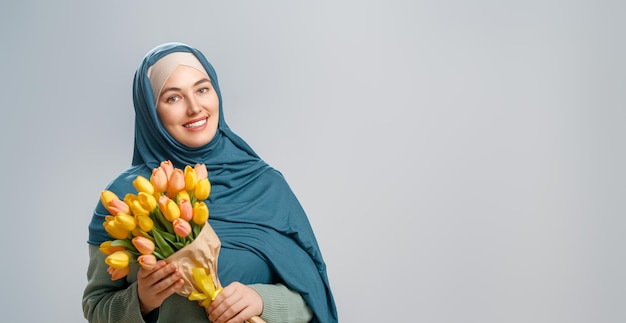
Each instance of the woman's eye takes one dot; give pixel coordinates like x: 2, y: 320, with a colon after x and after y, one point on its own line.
x: 204, y: 90
x: 172, y: 99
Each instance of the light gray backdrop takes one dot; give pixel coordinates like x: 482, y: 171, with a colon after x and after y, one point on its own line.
x: 460, y: 161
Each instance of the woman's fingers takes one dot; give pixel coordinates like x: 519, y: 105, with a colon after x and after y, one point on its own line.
x: 157, y: 284
x: 236, y: 303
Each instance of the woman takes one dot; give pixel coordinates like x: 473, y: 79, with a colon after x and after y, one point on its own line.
x: 269, y: 262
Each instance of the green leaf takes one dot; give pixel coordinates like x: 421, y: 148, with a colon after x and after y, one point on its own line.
x: 163, y: 246
x: 123, y: 243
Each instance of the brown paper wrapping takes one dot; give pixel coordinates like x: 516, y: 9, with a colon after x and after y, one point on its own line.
x: 201, y: 252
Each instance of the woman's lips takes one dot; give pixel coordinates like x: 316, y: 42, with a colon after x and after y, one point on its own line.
x: 195, y: 124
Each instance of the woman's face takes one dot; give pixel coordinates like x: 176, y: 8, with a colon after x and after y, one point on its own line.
x: 188, y: 107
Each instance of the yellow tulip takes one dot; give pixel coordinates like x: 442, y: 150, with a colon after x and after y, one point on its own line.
x: 201, y: 171
x: 107, y: 196
x: 169, y: 208
x: 106, y: 248
x: 147, y: 201
x: 118, y: 259
x: 208, y: 290
x: 142, y: 184
x: 203, y: 189
x: 190, y: 178
x: 125, y: 221
x: 138, y: 209
x: 129, y: 198
x: 114, y: 230
x: 200, y: 213
x: 145, y: 223
x: 159, y: 179
x: 183, y: 195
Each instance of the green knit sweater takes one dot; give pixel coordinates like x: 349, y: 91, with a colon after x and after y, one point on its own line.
x: 110, y: 301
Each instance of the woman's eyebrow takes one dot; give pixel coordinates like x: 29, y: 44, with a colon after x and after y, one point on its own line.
x: 173, y: 88
x: 202, y: 81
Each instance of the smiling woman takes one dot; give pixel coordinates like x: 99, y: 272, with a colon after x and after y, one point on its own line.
x: 269, y: 263
x: 188, y: 106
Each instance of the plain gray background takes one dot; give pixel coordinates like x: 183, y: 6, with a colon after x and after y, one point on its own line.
x: 460, y: 161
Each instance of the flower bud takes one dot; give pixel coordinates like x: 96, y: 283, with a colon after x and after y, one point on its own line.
x: 169, y: 208
x: 106, y: 197
x: 106, y: 248
x: 182, y: 228
x: 116, y: 206
x: 190, y: 178
x: 114, y: 230
x: 176, y: 183
x: 183, y: 195
x: 144, y: 222
x: 200, y: 213
x: 118, y: 273
x: 186, y: 210
x: 167, y: 167
x: 159, y: 179
x: 118, y: 259
x: 142, y: 184
x: 147, y: 201
x: 144, y: 245
x: 203, y: 189
x: 125, y: 221
x: 147, y: 261
x: 201, y: 171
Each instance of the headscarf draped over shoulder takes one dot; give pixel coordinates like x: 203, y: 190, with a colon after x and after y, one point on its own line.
x: 251, y: 205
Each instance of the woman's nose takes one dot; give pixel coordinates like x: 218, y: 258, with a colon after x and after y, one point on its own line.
x: 193, y: 106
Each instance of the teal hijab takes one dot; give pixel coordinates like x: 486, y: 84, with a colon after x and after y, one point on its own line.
x: 265, y: 234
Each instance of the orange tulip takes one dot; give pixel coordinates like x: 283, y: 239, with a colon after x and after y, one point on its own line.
x: 118, y: 273
x: 116, y: 206
x: 201, y: 171
x: 147, y: 261
x: 106, y: 197
x: 186, y: 210
x: 144, y: 245
x: 176, y: 183
x: 167, y: 167
x: 159, y: 179
x: 182, y: 228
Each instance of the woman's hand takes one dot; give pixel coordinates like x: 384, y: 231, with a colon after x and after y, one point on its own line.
x: 235, y: 303
x: 157, y: 284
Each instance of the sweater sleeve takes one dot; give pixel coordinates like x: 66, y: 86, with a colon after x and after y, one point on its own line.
x: 280, y: 304
x: 105, y: 300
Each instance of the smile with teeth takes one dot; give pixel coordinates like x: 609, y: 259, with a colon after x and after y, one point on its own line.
x: 196, y: 124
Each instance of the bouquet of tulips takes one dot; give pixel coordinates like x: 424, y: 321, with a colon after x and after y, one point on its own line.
x: 165, y: 219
